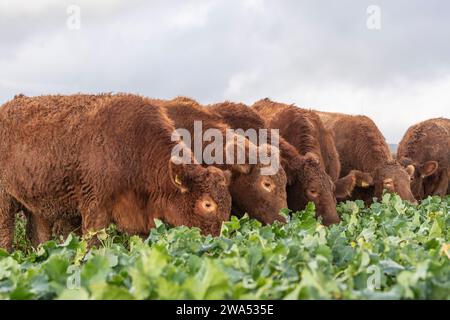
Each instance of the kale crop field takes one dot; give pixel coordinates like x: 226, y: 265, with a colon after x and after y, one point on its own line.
x: 391, y: 250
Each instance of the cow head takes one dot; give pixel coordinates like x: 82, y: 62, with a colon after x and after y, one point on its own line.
x: 419, y: 172
x: 261, y: 196
x: 204, y: 200
x: 313, y: 184
x: 393, y: 178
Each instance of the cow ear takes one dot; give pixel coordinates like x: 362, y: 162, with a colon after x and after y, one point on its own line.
x: 181, y: 175
x: 241, y: 168
x: 362, y: 179
x: 428, y: 168
x: 235, y: 150
x: 226, y: 174
x: 410, y: 169
x: 388, y: 184
x: 344, y: 187
x: 313, y: 157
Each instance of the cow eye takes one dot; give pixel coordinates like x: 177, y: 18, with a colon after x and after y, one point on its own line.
x: 267, y: 185
x: 313, y: 193
x: 207, y: 205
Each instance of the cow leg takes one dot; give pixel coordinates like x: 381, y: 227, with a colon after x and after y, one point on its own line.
x: 69, y: 224
x: 7, y: 221
x: 441, y: 189
x: 39, y: 229
x: 94, y: 218
x: 448, y: 177
x: 31, y: 227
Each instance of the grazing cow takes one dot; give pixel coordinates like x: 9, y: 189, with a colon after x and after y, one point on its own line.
x: 361, y: 146
x: 426, y: 148
x: 261, y: 196
x: 319, y: 173
x: 239, y: 116
x: 106, y: 158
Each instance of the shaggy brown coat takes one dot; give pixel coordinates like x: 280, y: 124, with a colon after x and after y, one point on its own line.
x: 304, y: 130
x: 361, y: 146
x: 106, y: 158
x: 261, y: 196
x: 426, y: 146
x: 320, y: 170
x: 240, y: 116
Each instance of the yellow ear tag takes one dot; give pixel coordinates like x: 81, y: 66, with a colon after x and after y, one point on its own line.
x: 364, y: 184
x: 178, y: 181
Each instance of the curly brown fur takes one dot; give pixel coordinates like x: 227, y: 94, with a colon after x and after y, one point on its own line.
x: 248, y: 194
x: 105, y: 157
x: 240, y: 116
x: 304, y: 130
x: 300, y: 176
x: 426, y: 146
x: 296, y: 125
x: 361, y: 146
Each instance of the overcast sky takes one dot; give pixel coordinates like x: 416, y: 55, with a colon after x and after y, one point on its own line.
x: 318, y: 54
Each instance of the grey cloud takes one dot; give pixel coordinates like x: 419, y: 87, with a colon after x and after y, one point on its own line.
x: 313, y: 53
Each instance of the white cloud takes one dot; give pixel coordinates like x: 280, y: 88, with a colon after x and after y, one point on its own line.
x: 316, y: 54
x: 240, y: 83
x: 191, y: 14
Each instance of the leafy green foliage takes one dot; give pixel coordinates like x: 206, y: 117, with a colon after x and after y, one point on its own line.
x: 391, y: 250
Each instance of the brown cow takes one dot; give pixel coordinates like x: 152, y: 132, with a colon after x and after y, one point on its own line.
x: 320, y: 170
x: 361, y: 146
x: 261, y: 196
x: 426, y: 147
x: 106, y: 158
x: 240, y: 116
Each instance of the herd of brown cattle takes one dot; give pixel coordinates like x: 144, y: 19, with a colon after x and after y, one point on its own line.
x: 81, y: 162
